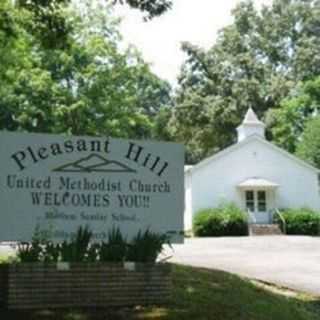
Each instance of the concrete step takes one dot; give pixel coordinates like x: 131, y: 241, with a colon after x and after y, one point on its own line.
x: 264, y: 229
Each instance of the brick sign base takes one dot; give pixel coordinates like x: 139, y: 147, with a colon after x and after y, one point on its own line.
x: 39, y: 286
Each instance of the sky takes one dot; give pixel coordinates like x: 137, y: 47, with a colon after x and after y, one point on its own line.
x: 159, y: 40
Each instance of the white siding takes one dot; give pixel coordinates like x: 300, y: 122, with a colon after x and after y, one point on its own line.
x: 216, y: 180
x: 188, y: 202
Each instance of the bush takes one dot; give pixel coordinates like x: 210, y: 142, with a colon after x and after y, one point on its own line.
x: 77, y: 249
x: 302, y: 221
x: 115, y: 249
x: 32, y: 251
x: 144, y: 247
x: 226, y: 220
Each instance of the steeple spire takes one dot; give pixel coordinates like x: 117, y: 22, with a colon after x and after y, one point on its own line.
x: 250, y: 125
x: 251, y: 117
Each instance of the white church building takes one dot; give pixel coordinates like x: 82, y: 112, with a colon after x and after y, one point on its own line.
x: 256, y: 175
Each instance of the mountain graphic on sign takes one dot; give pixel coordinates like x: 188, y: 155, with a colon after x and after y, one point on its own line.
x: 94, y: 163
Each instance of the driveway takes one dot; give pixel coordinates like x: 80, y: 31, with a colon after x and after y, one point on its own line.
x: 290, y: 261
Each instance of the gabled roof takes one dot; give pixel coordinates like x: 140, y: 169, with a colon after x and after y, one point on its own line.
x: 239, y: 145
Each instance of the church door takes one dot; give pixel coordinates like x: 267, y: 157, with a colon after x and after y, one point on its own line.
x: 256, y: 203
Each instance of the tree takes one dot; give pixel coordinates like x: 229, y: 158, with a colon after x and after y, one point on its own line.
x: 48, y: 21
x: 287, y: 122
x: 153, y: 8
x: 308, y: 148
x: 160, y: 128
x: 87, y: 87
x: 256, y: 61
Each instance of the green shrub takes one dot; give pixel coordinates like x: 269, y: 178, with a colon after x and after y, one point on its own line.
x: 302, y: 221
x: 29, y: 252
x: 146, y: 246
x: 226, y: 220
x: 115, y: 249
x: 32, y: 251
x: 77, y: 249
x: 51, y: 252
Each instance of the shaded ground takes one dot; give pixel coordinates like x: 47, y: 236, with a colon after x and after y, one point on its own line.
x: 290, y: 261
x: 202, y: 294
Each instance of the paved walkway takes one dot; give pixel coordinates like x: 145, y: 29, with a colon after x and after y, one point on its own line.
x: 290, y: 261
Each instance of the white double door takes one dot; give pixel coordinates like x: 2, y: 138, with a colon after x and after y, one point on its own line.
x: 256, y: 203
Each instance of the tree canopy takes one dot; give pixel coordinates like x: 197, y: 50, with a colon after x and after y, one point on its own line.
x: 88, y: 86
x: 256, y: 61
x: 288, y: 121
x: 50, y: 24
x: 153, y: 8
x: 308, y: 148
x: 63, y: 69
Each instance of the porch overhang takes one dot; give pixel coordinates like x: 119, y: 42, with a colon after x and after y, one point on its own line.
x: 257, y: 183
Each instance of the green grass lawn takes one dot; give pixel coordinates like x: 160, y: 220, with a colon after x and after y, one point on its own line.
x: 201, y: 294
x: 4, y: 258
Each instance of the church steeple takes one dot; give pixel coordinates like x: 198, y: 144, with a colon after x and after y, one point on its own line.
x: 250, y: 125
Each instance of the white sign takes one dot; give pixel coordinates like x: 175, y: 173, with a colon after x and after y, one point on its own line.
x: 58, y: 183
